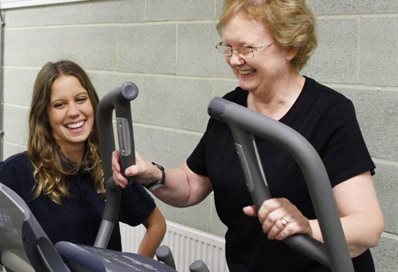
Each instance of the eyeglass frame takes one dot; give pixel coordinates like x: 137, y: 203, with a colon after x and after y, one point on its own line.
x: 252, y: 49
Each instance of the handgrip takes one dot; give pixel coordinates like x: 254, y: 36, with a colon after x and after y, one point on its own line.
x: 198, y: 266
x: 257, y: 186
x: 124, y: 124
x: 117, y: 100
x: 164, y: 254
x: 243, y: 122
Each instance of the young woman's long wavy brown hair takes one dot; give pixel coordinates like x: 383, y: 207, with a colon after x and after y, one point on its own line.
x: 50, y: 166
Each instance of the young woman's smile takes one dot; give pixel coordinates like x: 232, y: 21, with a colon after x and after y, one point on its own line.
x: 70, y: 112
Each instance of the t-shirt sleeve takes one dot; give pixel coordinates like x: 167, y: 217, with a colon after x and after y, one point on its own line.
x: 345, y: 154
x: 197, y: 160
x: 136, y: 204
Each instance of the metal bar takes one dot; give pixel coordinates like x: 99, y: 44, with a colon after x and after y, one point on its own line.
x: 2, y: 25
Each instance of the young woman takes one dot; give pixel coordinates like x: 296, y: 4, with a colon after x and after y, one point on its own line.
x: 60, y: 176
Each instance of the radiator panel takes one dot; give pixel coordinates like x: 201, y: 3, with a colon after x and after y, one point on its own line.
x: 187, y: 245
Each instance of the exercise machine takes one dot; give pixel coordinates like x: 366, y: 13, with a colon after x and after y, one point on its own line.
x: 244, y: 125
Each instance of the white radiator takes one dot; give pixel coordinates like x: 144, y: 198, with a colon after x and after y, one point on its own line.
x: 187, y: 245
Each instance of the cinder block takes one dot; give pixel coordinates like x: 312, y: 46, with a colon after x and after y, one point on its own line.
x: 385, y: 255
x: 176, y: 10
x: 219, y: 5
x: 146, y: 49
x: 15, y: 47
x: 52, y: 15
x: 120, y: 11
x: 197, y: 55
x: 379, y: 55
x: 336, y: 57
x: 377, y: 113
x: 174, y: 103
x: 15, y: 125
x: 387, y: 186
x: 341, y: 7
x: 32, y: 47
x: 18, y: 85
x: 91, y: 46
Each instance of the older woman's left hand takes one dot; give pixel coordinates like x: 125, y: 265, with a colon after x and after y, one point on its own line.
x: 280, y: 218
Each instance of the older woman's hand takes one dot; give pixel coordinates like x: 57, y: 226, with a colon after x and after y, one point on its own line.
x: 280, y: 218
x: 142, y: 170
x: 118, y: 178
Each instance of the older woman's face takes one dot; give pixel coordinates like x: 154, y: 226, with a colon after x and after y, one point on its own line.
x: 269, y: 62
x: 70, y: 113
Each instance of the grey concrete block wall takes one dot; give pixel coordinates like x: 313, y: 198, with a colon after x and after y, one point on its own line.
x: 167, y: 49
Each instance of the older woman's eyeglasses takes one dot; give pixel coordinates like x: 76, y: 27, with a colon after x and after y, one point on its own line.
x: 246, y: 52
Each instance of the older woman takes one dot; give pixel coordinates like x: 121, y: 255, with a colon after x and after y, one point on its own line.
x: 266, y: 44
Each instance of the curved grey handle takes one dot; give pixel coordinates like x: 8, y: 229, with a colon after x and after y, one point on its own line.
x: 164, y: 254
x: 245, y: 123
x: 198, y: 266
x: 117, y: 100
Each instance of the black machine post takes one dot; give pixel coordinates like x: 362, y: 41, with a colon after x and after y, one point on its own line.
x: 245, y: 124
x: 117, y: 101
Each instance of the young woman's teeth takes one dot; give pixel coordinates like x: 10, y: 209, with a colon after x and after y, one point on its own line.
x: 246, y: 72
x: 75, y: 125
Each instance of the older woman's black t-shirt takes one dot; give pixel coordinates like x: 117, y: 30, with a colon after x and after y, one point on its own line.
x: 327, y: 120
x: 78, y: 218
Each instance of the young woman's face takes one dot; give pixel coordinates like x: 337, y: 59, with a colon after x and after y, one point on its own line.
x: 70, y: 113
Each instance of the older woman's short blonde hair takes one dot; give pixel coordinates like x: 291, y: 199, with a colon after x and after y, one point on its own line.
x: 291, y: 23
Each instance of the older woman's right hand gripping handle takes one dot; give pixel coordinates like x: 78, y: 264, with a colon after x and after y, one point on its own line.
x: 245, y: 123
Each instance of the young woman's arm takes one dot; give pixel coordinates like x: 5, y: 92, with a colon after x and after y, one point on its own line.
x: 155, y: 226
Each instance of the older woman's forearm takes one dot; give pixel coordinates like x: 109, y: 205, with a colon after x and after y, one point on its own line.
x: 183, y: 187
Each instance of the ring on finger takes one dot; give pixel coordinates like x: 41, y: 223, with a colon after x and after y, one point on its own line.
x: 285, y: 221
